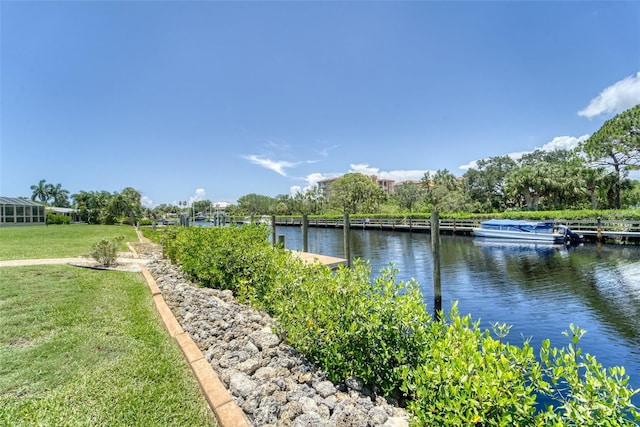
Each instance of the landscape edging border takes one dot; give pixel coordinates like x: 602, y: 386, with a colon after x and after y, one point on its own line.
x: 225, y: 409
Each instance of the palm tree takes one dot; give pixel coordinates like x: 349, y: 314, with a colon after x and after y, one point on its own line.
x: 520, y: 183
x: 82, y: 202
x: 315, y: 198
x: 41, y: 191
x: 134, y: 204
x: 118, y: 207
x: 59, y: 195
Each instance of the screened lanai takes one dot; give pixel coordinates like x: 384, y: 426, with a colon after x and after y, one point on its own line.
x: 14, y: 211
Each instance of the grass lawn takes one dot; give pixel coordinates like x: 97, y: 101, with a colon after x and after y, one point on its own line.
x: 87, y: 347
x: 58, y: 241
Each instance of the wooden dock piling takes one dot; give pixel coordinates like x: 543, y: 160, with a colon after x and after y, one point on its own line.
x: 435, y: 251
x: 347, y: 241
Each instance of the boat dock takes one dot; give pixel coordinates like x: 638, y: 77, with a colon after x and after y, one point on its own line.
x: 329, y: 261
x: 591, y: 230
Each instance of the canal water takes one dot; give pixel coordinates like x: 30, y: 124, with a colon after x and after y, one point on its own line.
x: 539, y: 289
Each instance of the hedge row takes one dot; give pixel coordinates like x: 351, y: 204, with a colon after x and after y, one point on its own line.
x: 447, y: 372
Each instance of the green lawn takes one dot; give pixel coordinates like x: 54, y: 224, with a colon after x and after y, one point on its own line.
x: 58, y: 241
x: 87, y: 347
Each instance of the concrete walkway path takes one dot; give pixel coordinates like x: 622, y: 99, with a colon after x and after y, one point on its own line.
x: 77, y: 260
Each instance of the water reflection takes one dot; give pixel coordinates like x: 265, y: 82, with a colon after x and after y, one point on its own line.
x: 538, y: 288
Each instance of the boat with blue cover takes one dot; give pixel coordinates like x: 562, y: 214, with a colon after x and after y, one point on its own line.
x: 539, y: 231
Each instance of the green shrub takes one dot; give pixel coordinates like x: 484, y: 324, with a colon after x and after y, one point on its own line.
x: 450, y: 372
x: 232, y: 258
x: 105, y: 251
x: 467, y: 377
x: 352, y: 327
x: 586, y: 393
x: 56, y: 219
x: 155, y: 235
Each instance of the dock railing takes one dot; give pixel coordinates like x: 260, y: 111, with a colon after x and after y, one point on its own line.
x: 590, y: 229
x: 605, y: 228
x: 378, y: 223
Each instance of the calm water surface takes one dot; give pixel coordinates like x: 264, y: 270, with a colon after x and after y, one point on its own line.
x: 539, y: 289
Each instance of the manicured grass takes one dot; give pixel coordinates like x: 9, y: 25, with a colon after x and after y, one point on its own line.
x: 86, y: 347
x: 58, y: 241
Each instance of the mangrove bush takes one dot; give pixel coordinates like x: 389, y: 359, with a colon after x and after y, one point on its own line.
x: 447, y: 372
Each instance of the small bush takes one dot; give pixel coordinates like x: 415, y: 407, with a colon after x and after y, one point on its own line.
x: 468, y: 377
x: 352, y: 327
x: 56, y: 219
x: 235, y: 258
x: 105, y: 251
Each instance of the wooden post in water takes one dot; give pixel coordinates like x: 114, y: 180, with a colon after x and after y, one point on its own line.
x: 305, y: 232
x: 435, y: 251
x: 273, y: 230
x: 599, y: 230
x: 347, y: 242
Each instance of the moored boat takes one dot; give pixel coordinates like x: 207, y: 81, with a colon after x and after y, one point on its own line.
x: 539, y: 231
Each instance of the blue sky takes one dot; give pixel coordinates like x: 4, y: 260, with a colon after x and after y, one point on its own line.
x: 215, y: 100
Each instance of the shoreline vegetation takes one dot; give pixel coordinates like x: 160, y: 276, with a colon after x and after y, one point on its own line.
x: 446, y: 372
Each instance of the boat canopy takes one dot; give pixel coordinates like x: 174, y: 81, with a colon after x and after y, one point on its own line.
x: 517, y: 224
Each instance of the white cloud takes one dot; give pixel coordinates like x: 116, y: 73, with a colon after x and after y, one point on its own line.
x: 515, y: 156
x: 277, y: 166
x: 564, y: 143
x: 200, y: 194
x: 615, y: 99
x: 146, y: 202
x: 397, y: 175
x: 470, y: 165
x: 364, y: 169
x: 312, y: 179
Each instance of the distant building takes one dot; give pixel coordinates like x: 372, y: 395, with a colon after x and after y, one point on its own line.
x: 14, y: 211
x: 323, y: 186
x: 386, y: 185
x: 71, y: 213
x: 220, y: 206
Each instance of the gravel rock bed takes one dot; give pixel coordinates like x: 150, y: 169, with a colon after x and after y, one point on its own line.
x: 272, y: 383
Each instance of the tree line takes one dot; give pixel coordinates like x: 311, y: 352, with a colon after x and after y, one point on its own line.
x: 595, y: 175
x: 94, y: 207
